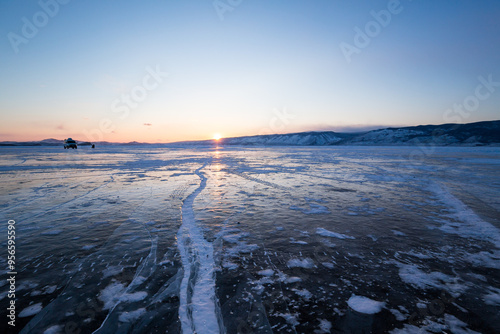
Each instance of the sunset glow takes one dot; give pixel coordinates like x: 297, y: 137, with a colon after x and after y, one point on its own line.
x: 164, y: 71
x: 217, y: 136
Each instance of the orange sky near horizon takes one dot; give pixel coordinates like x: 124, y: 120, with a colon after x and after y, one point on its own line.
x: 167, y: 71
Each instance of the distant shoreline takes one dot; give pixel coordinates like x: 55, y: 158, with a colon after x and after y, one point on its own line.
x: 485, y: 133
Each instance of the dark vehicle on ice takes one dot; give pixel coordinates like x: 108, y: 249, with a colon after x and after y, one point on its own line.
x: 70, y: 143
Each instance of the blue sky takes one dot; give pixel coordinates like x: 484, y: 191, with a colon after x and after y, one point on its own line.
x: 258, y: 67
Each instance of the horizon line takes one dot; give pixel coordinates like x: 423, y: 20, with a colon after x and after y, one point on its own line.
x: 373, y: 128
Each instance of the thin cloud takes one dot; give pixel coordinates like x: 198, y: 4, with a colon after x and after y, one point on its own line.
x: 148, y: 124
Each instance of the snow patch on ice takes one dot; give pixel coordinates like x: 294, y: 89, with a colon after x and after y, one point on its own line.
x: 229, y: 265
x: 328, y: 265
x: 328, y: 243
x: 56, y: 329
x: 47, y: 290
x: 313, y: 209
x: 131, y: 316
x: 242, y: 248
x: 299, y: 242
x: 31, y: 310
x: 417, y: 255
x: 292, y: 279
x: 115, y: 293
x: 485, y: 259
x: 457, y: 326
x: 399, y: 316
x: 325, y: 326
x: 134, y: 297
x: 325, y: 233
x: 303, y: 293
x: 111, y: 271
x: 493, y: 298
x: 234, y: 238
x: 411, y: 274
x: 396, y: 232
x: 365, y: 305
x: 467, y: 223
x: 111, y: 294
x: 305, y: 263
x: 266, y: 272
x: 290, y: 318
x: 448, y: 323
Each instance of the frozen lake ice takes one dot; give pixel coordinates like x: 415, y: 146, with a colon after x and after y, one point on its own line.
x: 145, y: 239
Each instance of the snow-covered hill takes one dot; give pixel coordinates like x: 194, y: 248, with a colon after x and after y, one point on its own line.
x: 480, y: 133
x: 472, y: 134
x: 298, y: 139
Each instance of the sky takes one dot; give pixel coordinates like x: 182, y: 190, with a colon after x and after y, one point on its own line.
x: 172, y: 70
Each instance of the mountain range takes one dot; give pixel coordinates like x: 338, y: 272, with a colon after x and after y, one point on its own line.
x: 470, y: 134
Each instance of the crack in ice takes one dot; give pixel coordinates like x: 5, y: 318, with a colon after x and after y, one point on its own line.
x: 198, y: 309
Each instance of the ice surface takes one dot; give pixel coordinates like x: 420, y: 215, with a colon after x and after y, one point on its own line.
x: 141, y: 239
x: 313, y: 209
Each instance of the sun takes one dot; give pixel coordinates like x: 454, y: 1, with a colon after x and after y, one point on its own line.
x: 217, y: 136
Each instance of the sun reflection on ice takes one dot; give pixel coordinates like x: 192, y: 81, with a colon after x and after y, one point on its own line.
x: 216, y: 159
